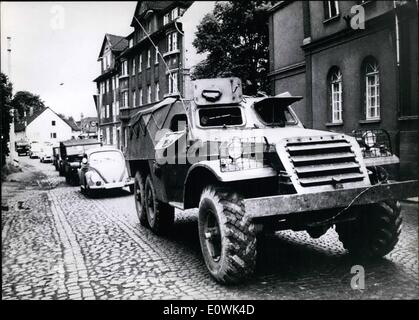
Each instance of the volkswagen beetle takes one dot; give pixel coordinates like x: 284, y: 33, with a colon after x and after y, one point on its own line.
x: 104, y: 168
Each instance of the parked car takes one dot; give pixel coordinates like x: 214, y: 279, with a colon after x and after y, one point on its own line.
x: 104, y: 168
x: 46, y: 152
x: 72, y: 152
x: 22, y: 147
x: 35, y: 149
x: 252, y: 168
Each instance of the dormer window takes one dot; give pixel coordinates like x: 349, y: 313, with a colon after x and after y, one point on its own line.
x: 175, y: 13
x: 166, y: 19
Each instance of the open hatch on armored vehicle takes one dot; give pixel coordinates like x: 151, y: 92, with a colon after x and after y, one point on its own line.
x: 252, y: 168
x: 71, y: 154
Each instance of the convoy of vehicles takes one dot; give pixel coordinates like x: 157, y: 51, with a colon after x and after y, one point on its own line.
x: 104, y: 168
x: 252, y: 168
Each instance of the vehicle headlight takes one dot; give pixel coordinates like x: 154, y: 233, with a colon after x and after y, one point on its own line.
x: 235, y: 149
x: 95, y: 177
x: 370, y: 139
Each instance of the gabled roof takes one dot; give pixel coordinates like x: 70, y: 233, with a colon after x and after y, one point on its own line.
x: 21, y: 125
x: 144, y: 6
x: 117, y: 43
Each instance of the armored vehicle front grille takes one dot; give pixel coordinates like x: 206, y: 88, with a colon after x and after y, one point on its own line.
x: 324, y: 162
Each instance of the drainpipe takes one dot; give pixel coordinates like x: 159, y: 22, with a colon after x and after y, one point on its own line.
x: 397, y: 34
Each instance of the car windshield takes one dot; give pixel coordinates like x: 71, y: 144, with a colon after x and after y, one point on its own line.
x: 80, y: 150
x: 106, y: 157
x: 220, y: 116
x: 272, y: 115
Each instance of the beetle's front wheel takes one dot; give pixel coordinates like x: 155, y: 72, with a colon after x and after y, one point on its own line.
x: 227, y: 235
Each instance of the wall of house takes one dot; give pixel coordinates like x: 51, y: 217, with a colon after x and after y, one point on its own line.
x: 41, y: 128
x: 286, y: 58
x: 348, y: 57
x: 321, y: 27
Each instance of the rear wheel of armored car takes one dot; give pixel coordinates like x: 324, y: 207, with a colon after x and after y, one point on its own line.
x: 227, y: 235
x: 139, y: 197
x: 160, y: 216
x: 375, y: 232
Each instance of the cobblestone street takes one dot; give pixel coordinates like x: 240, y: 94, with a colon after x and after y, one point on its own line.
x: 59, y: 244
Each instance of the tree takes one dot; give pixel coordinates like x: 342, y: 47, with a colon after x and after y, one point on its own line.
x: 236, y: 37
x: 23, y: 100
x: 5, y: 96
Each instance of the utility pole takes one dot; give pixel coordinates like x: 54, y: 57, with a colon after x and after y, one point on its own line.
x: 12, y: 139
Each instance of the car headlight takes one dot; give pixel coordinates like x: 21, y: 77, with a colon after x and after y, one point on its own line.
x: 95, y: 177
x: 235, y: 149
x: 370, y: 139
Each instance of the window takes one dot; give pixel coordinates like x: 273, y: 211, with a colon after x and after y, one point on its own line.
x: 372, y: 89
x: 108, y: 135
x: 331, y: 9
x: 140, y: 62
x: 148, y: 58
x: 134, y: 98
x: 125, y: 99
x: 172, y: 42
x: 148, y: 94
x: 141, y: 97
x: 335, y: 94
x: 173, y: 83
x: 133, y: 67
x: 53, y: 135
x: 107, y: 86
x: 131, y: 42
x: 157, y: 93
x: 156, y: 56
x: 117, y: 108
x: 166, y: 19
x: 124, y: 68
x: 220, y: 116
x: 175, y: 13
x: 53, y: 122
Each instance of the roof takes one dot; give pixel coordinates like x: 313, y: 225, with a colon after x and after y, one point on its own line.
x: 117, y: 43
x: 71, y: 123
x: 29, y: 119
x: 79, y: 142
x: 144, y: 6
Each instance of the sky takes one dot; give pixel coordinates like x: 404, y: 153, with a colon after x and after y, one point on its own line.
x: 59, y: 42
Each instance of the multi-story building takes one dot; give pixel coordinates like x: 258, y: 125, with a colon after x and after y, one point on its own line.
x: 356, y: 65
x: 155, y: 62
x: 153, y: 59
x: 107, y: 99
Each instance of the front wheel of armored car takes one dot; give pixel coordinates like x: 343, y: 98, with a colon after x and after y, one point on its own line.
x: 139, y: 198
x: 227, y: 235
x: 375, y: 232
x: 160, y: 216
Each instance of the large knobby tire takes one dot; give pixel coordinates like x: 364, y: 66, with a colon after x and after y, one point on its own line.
x: 160, y: 216
x: 139, y: 198
x: 374, y: 233
x: 227, y: 235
